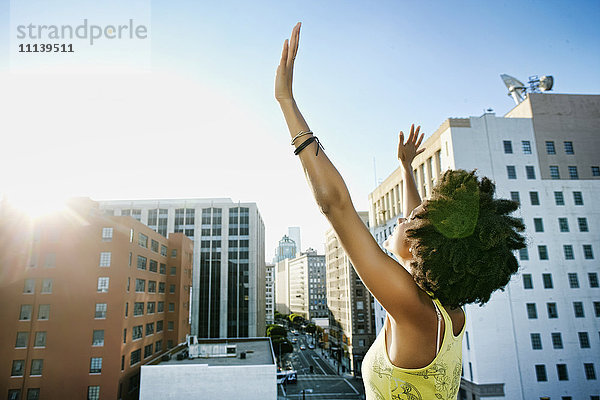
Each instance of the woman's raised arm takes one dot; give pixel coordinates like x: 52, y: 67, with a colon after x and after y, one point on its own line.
x: 391, y: 284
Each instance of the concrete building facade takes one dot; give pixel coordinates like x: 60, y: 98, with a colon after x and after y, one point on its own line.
x: 269, y: 294
x: 86, y: 300
x: 539, y: 338
x: 351, y: 327
x: 228, y: 296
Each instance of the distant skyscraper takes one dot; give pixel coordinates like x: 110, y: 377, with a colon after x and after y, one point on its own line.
x: 86, y: 300
x: 228, y: 298
x: 539, y: 338
x: 294, y: 234
x: 269, y: 294
x: 285, y: 249
x: 350, y: 304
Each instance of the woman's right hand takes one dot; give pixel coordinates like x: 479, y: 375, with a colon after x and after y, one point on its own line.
x: 285, y: 70
x: 409, y: 150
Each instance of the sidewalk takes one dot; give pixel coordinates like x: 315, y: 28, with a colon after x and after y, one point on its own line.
x: 321, y: 353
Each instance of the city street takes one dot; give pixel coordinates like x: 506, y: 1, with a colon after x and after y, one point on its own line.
x: 323, y: 382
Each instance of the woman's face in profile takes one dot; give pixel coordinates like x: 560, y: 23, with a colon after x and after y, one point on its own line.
x: 397, y: 242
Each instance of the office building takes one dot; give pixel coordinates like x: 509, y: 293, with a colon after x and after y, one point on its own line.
x: 269, y: 294
x: 539, y: 338
x: 294, y: 234
x: 228, y: 297
x: 351, y: 327
x: 86, y: 300
x: 286, y: 248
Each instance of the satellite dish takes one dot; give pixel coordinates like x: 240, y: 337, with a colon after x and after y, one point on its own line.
x: 516, y: 88
x: 546, y: 83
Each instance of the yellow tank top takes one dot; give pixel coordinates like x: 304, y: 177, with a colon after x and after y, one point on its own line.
x: 438, y: 380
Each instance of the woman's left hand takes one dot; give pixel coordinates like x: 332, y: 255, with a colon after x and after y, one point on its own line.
x: 409, y: 150
x: 285, y: 70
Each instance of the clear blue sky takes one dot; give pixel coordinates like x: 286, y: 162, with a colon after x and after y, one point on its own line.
x: 364, y: 71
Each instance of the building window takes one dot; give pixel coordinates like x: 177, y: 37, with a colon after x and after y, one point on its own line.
x: 584, y: 340
x: 507, y: 147
x: 29, y: 286
x: 530, y: 171
x: 46, y: 286
x: 534, y: 198
x: 159, y: 326
x: 138, y: 309
x: 14, y: 394
x: 158, y: 346
x: 154, y: 245
x: 543, y: 252
x: 136, y: 357
x: 593, y: 278
x: 552, y: 310
x: 595, y: 171
x: 141, y: 262
x: 547, y: 279
x: 138, y: 332
x: 142, y: 240
x: 526, y: 144
x: 44, y: 311
x: 98, y: 338
x: 107, y: 234
x: 33, y: 394
x: 140, y: 285
x: 554, y: 172
x: 126, y: 309
x: 563, y: 224
x: 93, y: 393
x: 160, y: 307
x: 95, y: 365
x: 22, y: 339
x: 125, y: 335
x: 583, y: 226
x: 170, y: 325
x: 151, y: 286
x: 590, y: 371
x: 573, y: 174
x: 153, y: 266
x: 103, y: 284
x: 573, y: 280
x: 578, y: 309
x: 171, y: 289
x: 161, y: 287
x: 163, y: 250
x: 174, y: 253
x: 40, y: 339
x: 569, y: 148
x: 531, y: 311
x: 150, y: 329
x: 536, y: 341
x: 17, y: 368
x: 559, y: 199
x: 597, y: 308
x: 151, y: 307
x: 561, y: 370
x: 550, y: 147
x: 523, y: 254
x: 171, y: 307
x: 540, y: 373
x: 578, y: 198
x: 568, y: 251
x: 163, y: 269
x: 587, y: 252
x: 539, y: 224
x: 527, y: 281
x: 511, y: 172
x: 173, y: 271
x: 557, y: 340
x: 148, y: 350
x: 100, y: 310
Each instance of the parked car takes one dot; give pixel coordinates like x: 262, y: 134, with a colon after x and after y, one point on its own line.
x: 311, y: 346
x: 302, y: 347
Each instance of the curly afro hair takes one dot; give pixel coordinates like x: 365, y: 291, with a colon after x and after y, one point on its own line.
x: 463, y: 240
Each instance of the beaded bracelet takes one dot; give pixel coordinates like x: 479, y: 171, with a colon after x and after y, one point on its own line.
x: 300, y: 134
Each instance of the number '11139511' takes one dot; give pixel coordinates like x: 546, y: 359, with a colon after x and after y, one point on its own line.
x: 46, y: 48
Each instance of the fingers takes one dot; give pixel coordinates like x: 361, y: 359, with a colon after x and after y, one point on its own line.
x: 293, y: 47
x: 284, y: 53
x: 420, y: 140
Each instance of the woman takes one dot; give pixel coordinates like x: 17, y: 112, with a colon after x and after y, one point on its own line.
x: 456, y: 248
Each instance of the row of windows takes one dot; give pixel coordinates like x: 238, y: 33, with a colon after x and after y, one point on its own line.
x: 23, y: 339
x: 140, y: 286
x: 568, y: 252
x: 18, y: 367
x: 572, y: 277
x: 526, y: 147
x: 138, y: 308
x: 142, y: 263
x: 562, y: 372
x: 29, y: 287
x: 27, y: 309
x: 32, y: 394
x: 563, y: 224
x: 154, y: 245
x: 557, y: 342
x: 511, y: 172
x: 552, y: 310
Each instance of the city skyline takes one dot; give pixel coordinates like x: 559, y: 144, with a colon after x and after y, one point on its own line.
x: 210, y: 89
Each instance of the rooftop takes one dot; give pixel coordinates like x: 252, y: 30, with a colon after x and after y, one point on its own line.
x: 257, y: 351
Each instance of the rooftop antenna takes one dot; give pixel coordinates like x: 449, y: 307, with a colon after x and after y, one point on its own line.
x: 518, y: 91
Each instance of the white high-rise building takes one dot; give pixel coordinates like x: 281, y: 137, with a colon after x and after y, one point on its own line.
x: 539, y: 339
x: 269, y: 294
x: 228, y: 291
